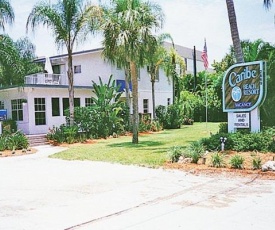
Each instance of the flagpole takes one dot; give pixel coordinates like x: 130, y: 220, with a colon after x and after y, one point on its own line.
x: 204, y: 57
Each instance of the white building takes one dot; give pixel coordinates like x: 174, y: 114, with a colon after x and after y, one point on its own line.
x: 40, y: 103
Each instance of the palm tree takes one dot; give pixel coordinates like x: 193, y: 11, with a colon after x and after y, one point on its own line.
x: 6, y: 13
x: 234, y: 31
x: 155, y: 57
x: 160, y: 57
x: 70, y: 21
x: 127, y: 30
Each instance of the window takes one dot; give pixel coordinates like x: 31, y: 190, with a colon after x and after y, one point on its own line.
x: 17, y: 109
x: 77, y: 69
x: 88, y: 102
x: 66, y: 105
x: 55, y: 107
x: 145, y: 106
x: 168, y: 101
x: 40, y: 111
x: 2, y: 105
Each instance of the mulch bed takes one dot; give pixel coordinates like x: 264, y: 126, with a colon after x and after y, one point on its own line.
x: 8, y: 153
x: 247, y: 170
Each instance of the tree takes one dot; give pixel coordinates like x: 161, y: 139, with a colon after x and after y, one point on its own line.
x: 234, y: 31
x: 16, y: 60
x: 6, y: 13
x: 155, y: 58
x: 127, y: 30
x: 70, y: 21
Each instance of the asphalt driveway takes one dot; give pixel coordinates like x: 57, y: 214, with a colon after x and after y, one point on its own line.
x: 39, y: 193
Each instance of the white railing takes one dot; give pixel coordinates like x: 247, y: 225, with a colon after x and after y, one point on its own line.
x: 43, y: 79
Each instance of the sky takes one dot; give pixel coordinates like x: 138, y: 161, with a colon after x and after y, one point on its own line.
x: 188, y: 21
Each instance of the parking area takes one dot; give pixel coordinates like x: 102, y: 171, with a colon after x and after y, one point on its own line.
x: 37, y: 192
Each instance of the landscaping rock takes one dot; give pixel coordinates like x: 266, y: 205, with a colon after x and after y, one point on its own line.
x: 268, y: 166
x: 187, y: 160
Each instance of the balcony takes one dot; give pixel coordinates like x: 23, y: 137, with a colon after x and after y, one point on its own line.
x: 43, y: 79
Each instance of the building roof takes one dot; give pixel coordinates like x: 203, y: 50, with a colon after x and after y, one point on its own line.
x: 184, y: 51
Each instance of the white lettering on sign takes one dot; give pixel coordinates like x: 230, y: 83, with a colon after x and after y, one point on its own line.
x: 241, y: 120
x: 234, y: 78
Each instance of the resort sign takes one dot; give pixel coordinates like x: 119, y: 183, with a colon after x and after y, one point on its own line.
x: 244, y: 87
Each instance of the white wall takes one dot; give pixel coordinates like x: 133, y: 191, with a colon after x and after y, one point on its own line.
x: 28, y: 124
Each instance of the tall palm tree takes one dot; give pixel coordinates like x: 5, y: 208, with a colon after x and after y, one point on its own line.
x: 161, y: 57
x: 70, y: 21
x: 6, y: 13
x: 234, y: 31
x: 127, y: 30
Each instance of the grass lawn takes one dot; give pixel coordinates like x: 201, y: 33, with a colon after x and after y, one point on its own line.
x: 151, y: 150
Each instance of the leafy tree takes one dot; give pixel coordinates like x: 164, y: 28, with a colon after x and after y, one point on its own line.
x: 127, y: 30
x: 16, y: 60
x: 70, y: 21
x: 6, y: 13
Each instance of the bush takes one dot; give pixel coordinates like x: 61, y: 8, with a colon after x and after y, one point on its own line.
x: 256, y: 163
x: 223, y: 127
x: 9, y: 126
x: 217, y: 160
x: 195, y: 151
x: 174, y: 153
x: 170, y: 117
x: 237, y: 161
x: 13, y: 141
x: 242, y: 141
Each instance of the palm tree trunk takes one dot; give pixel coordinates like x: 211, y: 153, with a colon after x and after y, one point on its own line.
x: 133, y: 69
x: 234, y: 31
x: 71, y: 87
x: 127, y: 93
x: 153, y: 94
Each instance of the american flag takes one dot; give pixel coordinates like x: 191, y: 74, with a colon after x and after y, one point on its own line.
x: 204, y: 56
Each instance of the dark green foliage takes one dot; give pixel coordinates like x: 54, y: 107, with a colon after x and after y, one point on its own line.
x: 213, y: 143
x: 170, y: 117
x: 223, y: 127
x: 104, y: 118
x: 236, y: 161
x: 243, y: 141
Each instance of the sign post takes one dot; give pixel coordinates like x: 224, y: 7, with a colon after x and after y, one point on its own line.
x: 244, y: 90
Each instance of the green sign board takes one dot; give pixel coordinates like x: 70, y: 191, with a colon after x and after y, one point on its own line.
x: 244, y: 86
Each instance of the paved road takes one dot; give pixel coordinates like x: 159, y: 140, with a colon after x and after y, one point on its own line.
x: 39, y: 193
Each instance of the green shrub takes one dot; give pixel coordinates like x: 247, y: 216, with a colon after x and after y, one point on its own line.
x: 16, y: 140
x: 256, y: 163
x: 71, y: 133
x: 217, y: 160
x: 223, y: 127
x: 170, y: 117
x: 9, y: 126
x: 174, y: 153
x: 237, y: 161
x: 242, y: 141
x: 195, y: 151
x: 2, y: 143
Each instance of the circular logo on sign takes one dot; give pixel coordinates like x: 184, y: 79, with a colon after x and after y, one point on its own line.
x: 236, y: 93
